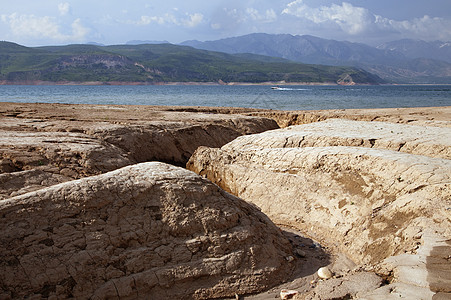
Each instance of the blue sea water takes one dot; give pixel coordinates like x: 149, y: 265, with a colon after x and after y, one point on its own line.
x: 285, y: 98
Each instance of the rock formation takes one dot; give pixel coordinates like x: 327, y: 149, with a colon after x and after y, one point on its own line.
x: 428, y: 116
x: 373, y: 196
x: 419, y: 140
x: 361, y: 188
x: 63, y: 142
x: 148, y: 231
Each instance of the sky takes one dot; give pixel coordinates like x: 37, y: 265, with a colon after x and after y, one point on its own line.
x: 61, y: 22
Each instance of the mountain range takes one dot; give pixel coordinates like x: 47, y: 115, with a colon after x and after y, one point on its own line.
x: 402, y: 61
x: 159, y: 63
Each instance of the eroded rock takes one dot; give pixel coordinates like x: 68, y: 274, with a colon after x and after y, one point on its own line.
x: 18, y: 183
x: 75, y: 141
x: 148, y: 231
x: 413, y: 139
x: 368, y: 197
x: 72, y: 154
x: 337, y: 187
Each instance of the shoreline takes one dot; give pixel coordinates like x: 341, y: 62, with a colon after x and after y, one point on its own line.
x: 120, y: 83
x: 133, y: 113
x: 193, y: 83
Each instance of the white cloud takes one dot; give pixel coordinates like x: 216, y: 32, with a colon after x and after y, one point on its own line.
x: 359, y: 21
x: 194, y: 20
x: 64, y: 8
x: 425, y: 27
x: 146, y: 20
x: 269, y: 15
x: 351, y: 19
x: 79, y: 32
x: 33, y: 27
x: 215, y: 26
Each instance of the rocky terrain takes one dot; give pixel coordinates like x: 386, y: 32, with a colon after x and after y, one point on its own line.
x: 85, y: 215
x: 377, y: 192
x: 44, y: 144
x: 145, y: 231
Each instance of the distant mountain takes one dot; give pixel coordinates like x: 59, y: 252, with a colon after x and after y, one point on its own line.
x: 436, y: 50
x: 306, y: 49
x: 95, y: 44
x: 396, y: 62
x: 159, y: 63
x: 140, y: 42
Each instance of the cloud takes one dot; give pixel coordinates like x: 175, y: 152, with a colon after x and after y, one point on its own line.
x: 166, y: 19
x: 351, y: 19
x: 359, y: 21
x: 194, y: 20
x: 64, y: 8
x: 423, y: 28
x: 242, y: 20
x: 146, y: 20
x: 79, y: 32
x: 33, y: 27
x: 215, y: 26
x: 190, y: 20
x: 267, y: 17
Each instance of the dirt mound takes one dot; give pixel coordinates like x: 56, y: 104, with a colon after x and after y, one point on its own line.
x: 146, y: 231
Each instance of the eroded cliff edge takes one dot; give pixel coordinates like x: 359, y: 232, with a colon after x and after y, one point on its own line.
x: 379, y: 192
x: 45, y: 144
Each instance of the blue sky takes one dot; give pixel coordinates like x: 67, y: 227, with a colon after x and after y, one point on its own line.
x: 57, y: 22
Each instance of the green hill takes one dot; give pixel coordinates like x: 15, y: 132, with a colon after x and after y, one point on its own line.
x: 159, y: 63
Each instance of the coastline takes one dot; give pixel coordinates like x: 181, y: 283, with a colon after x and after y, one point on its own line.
x: 120, y: 83
x: 193, y: 83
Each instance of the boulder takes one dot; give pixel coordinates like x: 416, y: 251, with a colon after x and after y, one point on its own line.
x: 148, y: 231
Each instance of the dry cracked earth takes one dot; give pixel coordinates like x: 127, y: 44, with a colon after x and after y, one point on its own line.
x: 96, y: 203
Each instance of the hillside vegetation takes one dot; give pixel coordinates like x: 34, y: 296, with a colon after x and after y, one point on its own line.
x: 162, y: 63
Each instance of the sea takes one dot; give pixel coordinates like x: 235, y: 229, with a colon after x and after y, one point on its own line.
x: 302, y: 97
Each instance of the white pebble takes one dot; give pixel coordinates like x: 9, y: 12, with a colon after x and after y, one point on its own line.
x: 289, y: 258
x: 324, y: 273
